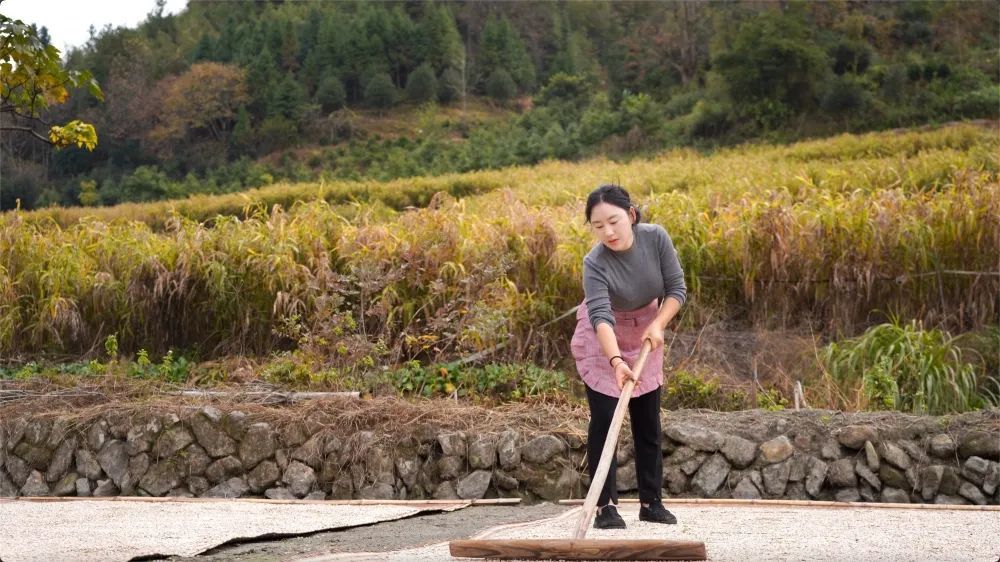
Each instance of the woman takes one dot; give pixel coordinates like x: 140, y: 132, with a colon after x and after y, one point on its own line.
x: 628, y: 272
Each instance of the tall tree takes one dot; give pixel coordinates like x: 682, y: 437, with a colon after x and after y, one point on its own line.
x: 330, y: 94
x: 288, y: 99
x: 682, y: 42
x: 263, y: 74
x: 774, y: 67
x: 380, y: 92
x: 438, y: 41
x: 501, y: 48
x: 398, y: 45
x: 202, y: 101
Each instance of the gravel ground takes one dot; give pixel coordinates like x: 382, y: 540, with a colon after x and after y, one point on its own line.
x: 119, y: 530
x: 779, y: 533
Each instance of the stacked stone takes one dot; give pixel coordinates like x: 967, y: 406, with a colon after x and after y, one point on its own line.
x: 854, y: 465
x: 216, y: 454
x: 208, y: 455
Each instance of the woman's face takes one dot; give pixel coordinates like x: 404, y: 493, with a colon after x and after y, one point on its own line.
x: 612, y: 226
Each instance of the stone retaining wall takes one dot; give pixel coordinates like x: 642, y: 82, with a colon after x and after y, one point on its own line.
x: 790, y: 455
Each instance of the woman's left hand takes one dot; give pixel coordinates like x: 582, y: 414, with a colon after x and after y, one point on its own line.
x: 654, y: 333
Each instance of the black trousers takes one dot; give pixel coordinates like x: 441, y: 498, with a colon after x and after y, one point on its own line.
x: 645, y: 414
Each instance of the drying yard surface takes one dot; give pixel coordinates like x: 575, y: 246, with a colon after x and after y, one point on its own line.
x: 106, y: 530
x: 760, y: 532
x: 319, y: 531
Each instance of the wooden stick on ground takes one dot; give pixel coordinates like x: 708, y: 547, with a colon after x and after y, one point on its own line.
x: 171, y: 499
x: 824, y: 504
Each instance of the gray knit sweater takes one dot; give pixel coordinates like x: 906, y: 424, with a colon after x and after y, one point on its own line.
x: 630, y: 279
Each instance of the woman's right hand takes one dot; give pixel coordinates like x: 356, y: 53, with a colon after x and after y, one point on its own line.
x: 623, y: 373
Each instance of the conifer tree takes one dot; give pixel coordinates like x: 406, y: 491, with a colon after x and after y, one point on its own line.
x: 439, y: 43
x: 450, y: 85
x: 421, y: 86
x: 502, y: 48
x: 500, y: 86
x: 330, y: 94
x: 380, y: 92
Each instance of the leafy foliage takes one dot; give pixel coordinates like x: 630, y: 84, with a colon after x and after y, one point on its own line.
x: 909, y: 368
x: 500, y: 381
x: 685, y: 389
x: 32, y: 79
x: 773, y: 68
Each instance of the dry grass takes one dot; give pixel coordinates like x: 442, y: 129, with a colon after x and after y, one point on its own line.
x: 388, y: 417
x: 394, y: 420
x: 826, y: 237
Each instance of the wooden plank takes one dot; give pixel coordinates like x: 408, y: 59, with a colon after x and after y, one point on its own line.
x: 578, y: 549
x: 725, y: 502
x: 409, y: 503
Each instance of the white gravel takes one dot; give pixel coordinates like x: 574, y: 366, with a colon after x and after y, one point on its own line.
x: 121, y: 530
x: 741, y: 533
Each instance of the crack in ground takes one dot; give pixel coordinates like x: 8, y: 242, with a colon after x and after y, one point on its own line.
x: 411, y: 531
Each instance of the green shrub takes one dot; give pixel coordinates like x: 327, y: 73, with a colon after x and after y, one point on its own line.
x: 285, y: 370
x: 880, y: 386
x: 681, y: 104
x: 380, y: 93
x: 330, y: 94
x: 505, y: 381
x: 450, y: 86
x: 276, y: 133
x: 844, y: 94
x: 421, y: 86
x: 981, y: 103
x: 500, y: 86
x: 685, y: 389
x: 708, y: 119
x: 771, y: 399
x: 170, y: 369
x: 146, y: 183
x: 927, y: 368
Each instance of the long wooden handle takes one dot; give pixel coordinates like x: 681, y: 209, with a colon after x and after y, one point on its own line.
x: 610, y: 444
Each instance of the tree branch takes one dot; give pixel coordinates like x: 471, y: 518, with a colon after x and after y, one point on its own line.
x: 28, y: 130
x: 11, y: 108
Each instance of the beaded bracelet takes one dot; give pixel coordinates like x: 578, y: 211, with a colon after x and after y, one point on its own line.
x: 612, y: 360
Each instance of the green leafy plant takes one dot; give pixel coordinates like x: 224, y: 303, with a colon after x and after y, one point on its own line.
x: 879, y: 385
x: 926, y: 366
x: 506, y: 381
x: 685, y: 389
x: 170, y: 369
x: 772, y: 400
x: 111, y: 346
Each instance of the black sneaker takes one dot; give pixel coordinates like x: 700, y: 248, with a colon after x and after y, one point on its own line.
x: 608, y: 518
x: 656, y: 513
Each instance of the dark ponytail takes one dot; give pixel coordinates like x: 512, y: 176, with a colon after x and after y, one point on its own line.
x: 614, y: 195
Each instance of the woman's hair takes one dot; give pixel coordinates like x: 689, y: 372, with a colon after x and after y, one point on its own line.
x: 614, y: 195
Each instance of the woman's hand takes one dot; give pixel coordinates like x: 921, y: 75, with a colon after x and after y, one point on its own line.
x: 654, y: 333
x: 623, y: 373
